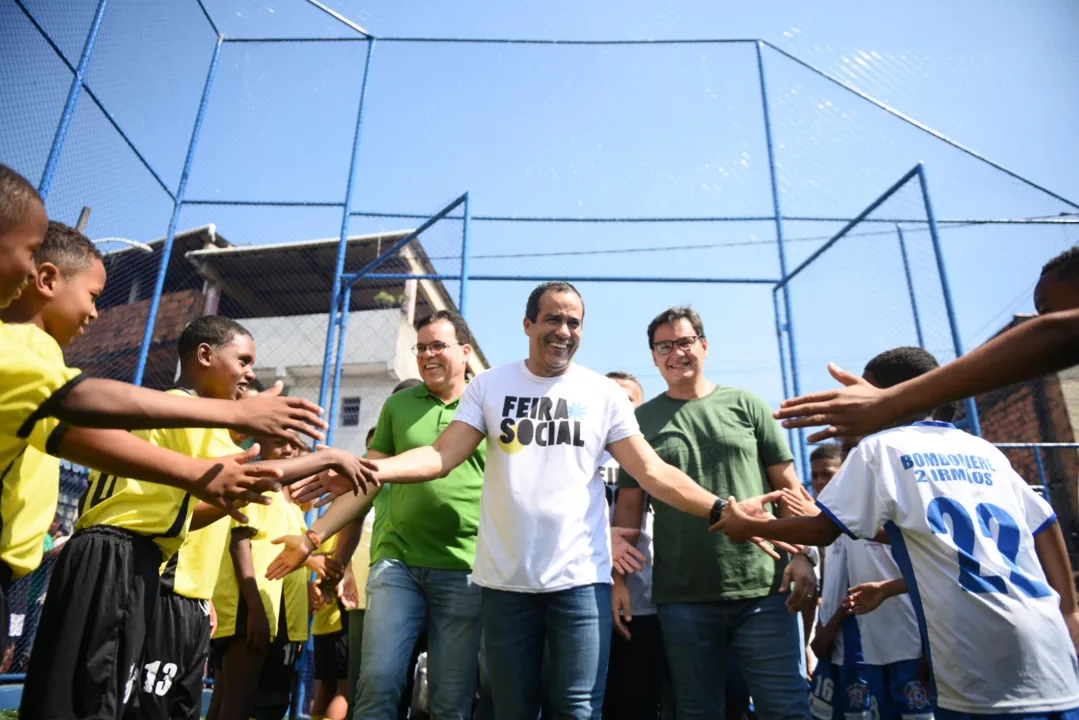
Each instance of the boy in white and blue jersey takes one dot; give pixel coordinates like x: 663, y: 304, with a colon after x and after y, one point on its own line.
x: 981, y: 554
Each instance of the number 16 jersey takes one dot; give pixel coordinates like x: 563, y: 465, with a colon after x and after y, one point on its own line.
x: 962, y: 525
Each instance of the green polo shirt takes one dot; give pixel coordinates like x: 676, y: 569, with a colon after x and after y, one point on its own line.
x: 428, y: 524
x: 725, y: 441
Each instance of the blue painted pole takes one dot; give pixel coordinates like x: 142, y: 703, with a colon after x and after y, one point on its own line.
x: 462, y: 304
x: 949, y: 306
x: 166, y: 251
x: 72, y: 100
x: 777, y: 211
x: 910, y: 286
x: 346, y: 299
x: 780, y: 325
x: 342, y: 247
x: 1041, y: 473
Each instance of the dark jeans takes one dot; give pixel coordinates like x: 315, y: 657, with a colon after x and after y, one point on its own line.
x: 637, y: 672
x: 575, y: 627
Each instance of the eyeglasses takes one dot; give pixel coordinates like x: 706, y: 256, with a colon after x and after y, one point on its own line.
x: 664, y: 347
x: 436, y: 348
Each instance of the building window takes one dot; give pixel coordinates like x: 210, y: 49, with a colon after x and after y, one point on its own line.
x: 350, y: 412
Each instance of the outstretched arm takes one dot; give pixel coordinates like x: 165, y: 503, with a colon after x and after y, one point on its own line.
x: 1046, y: 344
x: 451, y: 448
x: 95, y: 402
x: 662, y: 481
x: 739, y: 526
x: 218, y: 482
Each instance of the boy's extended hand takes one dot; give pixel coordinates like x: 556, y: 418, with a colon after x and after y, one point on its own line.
x: 297, y: 549
x: 856, y: 409
x: 621, y: 609
x: 799, y: 502
x: 269, y: 415
x: 326, y: 568
x: 230, y: 482
x: 258, y: 629
x: 866, y: 597
x: 736, y: 518
x: 327, y: 485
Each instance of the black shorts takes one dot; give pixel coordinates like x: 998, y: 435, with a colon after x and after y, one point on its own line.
x: 331, y: 656
x: 173, y: 660
x: 100, y: 602
x: 278, y: 669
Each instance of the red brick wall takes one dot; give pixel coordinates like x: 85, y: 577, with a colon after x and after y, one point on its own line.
x: 110, y: 347
x: 1036, y: 412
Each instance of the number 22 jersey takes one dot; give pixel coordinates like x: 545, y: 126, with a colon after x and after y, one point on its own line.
x: 962, y: 525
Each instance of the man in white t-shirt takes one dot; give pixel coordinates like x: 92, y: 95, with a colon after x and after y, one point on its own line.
x: 543, y: 555
x: 980, y: 552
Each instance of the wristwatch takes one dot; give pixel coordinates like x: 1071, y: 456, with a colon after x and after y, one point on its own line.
x: 717, y: 511
x: 313, y: 537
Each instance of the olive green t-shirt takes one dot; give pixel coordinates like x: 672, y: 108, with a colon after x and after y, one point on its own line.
x: 428, y: 524
x: 724, y: 441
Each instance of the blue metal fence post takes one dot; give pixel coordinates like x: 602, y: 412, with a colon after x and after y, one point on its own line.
x: 342, y: 325
x: 949, y: 306
x: 910, y: 286
x: 462, y: 304
x: 1041, y: 473
x: 342, y: 247
x: 780, y: 325
x: 72, y: 100
x: 800, y: 452
x: 166, y: 250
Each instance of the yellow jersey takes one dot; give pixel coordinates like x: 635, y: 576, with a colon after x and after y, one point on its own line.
x: 160, y: 512
x: 361, y: 558
x: 192, y: 572
x: 33, y: 379
x: 268, y: 523
x: 28, y: 498
x: 327, y: 619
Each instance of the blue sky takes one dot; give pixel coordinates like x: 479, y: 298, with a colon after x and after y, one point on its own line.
x: 669, y: 131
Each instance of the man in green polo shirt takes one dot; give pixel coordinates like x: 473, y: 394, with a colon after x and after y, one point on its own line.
x: 421, y: 564
x: 717, y: 601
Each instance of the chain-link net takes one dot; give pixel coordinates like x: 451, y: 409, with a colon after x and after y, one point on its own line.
x: 632, y: 163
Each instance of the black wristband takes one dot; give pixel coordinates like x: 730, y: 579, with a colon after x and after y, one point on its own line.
x: 717, y: 511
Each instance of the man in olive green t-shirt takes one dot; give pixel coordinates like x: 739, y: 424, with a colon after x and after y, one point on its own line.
x: 423, y: 552
x: 717, y: 599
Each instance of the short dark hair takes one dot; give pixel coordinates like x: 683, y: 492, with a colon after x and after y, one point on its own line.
x: 67, y: 248
x: 671, y: 316
x: 554, y: 286
x: 627, y: 377
x: 406, y: 384
x: 827, y: 451
x: 17, y: 196
x: 460, y: 327
x: 899, y: 365
x: 212, y: 330
x: 1066, y: 264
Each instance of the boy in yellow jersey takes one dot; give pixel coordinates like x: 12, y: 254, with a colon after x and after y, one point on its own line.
x: 330, y: 629
x: 67, y: 280
x: 253, y: 612
x: 104, y: 588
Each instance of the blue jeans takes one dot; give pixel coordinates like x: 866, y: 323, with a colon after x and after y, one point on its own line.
x: 400, y: 600
x: 763, y: 637
x: 575, y: 626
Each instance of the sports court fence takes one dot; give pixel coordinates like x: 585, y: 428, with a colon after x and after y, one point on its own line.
x: 280, y: 167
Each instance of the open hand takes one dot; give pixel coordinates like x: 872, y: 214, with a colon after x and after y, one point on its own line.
x: 854, y: 410
x: 799, y: 502
x: 799, y: 573
x: 326, y: 568
x: 734, y: 523
x: 625, y: 557
x: 865, y: 598
x: 329, y: 484
x: 231, y: 481
x: 295, y: 553
x: 270, y: 415
x: 350, y: 469
x: 347, y: 590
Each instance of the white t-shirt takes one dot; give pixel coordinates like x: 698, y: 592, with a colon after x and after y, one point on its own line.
x: 640, y: 582
x: 834, y: 589
x: 890, y: 633
x: 543, y: 513
x: 962, y: 526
